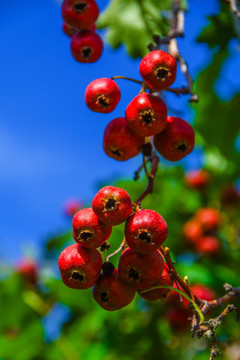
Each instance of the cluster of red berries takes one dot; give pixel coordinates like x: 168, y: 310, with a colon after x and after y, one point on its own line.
x: 201, y: 230
x: 146, y: 115
x: 141, y: 264
x: 79, y: 23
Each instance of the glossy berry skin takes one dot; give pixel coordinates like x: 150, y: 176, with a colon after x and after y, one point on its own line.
x: 88, y: 230
x: 79, y: 267
x: 158, y: 69
x: 157, y: 294
x: 209, y: 218
x: 197, y: 179
x: 146, y: 115
x: 140, y: 271
x: 176, y: 141
x: 208, y: 245
x: 145, y: 231
x: 28, y: 270
x: 119, y: 142
x: 71, y: 207
x: 69, y: 30
x: 192, y: 231
x: 111, y: 293
x: 102, y: 95
x: 86, y: 46
x: 80, y: 14
x: 112, y: 205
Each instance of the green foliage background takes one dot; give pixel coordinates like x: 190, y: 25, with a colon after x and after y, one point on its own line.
x: 141, y: 331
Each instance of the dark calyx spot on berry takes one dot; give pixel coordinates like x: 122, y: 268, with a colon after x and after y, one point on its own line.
x: 103, y: 101
x: 105, y: 246
x: 162, y: 73
x: 77, y: 276
x: 104, y: 296
x: 86, y: 52
x: 80, y: 7
x: 85, y: 235
x: 111, y: 204
x: 147, y: 149
x: 133, y: 274
x: 108, y: 268
x: 116, y: 152
x: 144, y: 236
x: 147, y: 117
x: 182, y: 148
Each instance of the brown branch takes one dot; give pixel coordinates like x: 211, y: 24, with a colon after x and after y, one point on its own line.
x: 226, y: 299
x: 154, y: 167
x: 233, y: 7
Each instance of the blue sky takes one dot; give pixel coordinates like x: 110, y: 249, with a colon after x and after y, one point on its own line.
x: 50, y: 143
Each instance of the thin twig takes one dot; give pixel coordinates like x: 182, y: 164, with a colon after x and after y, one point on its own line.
x: 117, y: 251
x: 154, y: 167
x: 127, y: 78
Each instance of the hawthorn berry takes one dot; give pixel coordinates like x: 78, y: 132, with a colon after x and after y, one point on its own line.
x: 158, y: 69
x: 88, y: 230
x: 80, y: 14
x: 203, y: 292
x: 119, y: 142
x: 192, y: 231
x: 111, y: 293
x: 146, y: 115
x: 208, y: 245
x: 209, y: 218
x: 112, y: 205
x: 145, y: 231
x: 86, y: 46
x: 197, y: 179
x: 28, y: 270
x: 71, y: 207
x: 102, y: 95
x: 79, y: 267
x: 69, y: 30
x: 138, y: 270
x: 176, y: 141
x: 157, y: 294
x: 178, y: 317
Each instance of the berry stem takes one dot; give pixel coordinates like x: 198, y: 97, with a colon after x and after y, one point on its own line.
x: 199, y: 312
x: 121, y: 247
x: 233, y: 7
x: 128, y: 78
x: 145, y: 167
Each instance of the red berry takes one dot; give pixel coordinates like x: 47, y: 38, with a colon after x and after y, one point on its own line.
x: 146, y: 115
x: 176, y: 141
x: 71, y: 207
x: 102, y: 95
x: 80, y: 14
x: 198, y: 179
x: 145, y: 231
x: 69, y: 30
x: 203, y: 292
x: 28, y: 270
x: 208, y: 245
x: 157, y: 294
x: 178, y: 318
x: 192, y: 231
x: 209, y: 218
x: 86, y: 46
x: 88, y: 230
x: 119, y: 142
x: 112, y: 205
x: 79, y: 267
x: 140, y: 271
x: 158, y: 69
x: 111, y: 293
